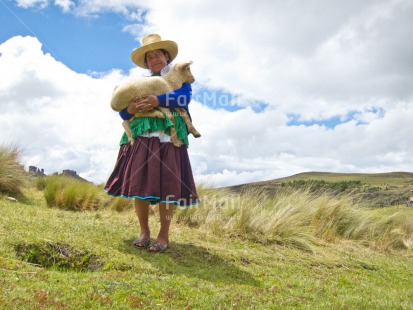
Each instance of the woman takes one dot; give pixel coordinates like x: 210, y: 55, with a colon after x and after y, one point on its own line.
x: 153, y: 170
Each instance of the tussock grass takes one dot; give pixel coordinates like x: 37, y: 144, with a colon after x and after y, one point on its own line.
x: 121, y: 204
x: 300, y: 218
x: 385, y: 229
x: 297, y: 217
x: 40, y: 183
x: 12, y: 176
x: 70, y: 194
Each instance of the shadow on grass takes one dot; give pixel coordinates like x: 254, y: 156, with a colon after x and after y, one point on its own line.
x: 193, y: 261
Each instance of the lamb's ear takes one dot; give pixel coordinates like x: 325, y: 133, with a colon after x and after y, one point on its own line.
x: 186, y: 65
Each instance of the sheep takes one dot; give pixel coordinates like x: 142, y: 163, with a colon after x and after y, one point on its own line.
x: 139, y: 87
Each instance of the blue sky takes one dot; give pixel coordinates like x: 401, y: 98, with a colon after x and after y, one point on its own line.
x: 281, y: 87
x: 82, y: 43
x: 89, y: 44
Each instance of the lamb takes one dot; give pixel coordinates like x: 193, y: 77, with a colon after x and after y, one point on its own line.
x: 139, y: 87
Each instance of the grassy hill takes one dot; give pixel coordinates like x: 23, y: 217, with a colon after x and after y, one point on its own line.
x: 377, y: 190
x: 57, y: 259
x: 301, y: 244
x: 381, y: 180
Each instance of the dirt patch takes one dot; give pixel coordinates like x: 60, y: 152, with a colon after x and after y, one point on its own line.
x: 59, y: 256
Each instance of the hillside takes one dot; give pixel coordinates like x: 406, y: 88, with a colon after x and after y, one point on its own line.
x: 297, y: 251
x: 377, y: 190
x: 302, y: 242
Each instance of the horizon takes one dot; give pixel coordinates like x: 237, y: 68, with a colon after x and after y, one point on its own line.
x: 41, y: 170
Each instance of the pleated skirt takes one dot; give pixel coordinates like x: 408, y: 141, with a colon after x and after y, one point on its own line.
x: 153, y: 171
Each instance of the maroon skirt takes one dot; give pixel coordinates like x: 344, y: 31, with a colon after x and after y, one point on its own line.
x: 153, y: 171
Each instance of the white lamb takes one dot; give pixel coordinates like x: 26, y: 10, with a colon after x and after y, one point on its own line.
x: 139, y: 87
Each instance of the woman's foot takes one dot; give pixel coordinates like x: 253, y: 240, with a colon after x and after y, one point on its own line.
x: 158, y: 247
x: 141, y: 243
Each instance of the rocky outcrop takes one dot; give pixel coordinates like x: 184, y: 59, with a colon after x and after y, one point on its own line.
x: 37, y: 172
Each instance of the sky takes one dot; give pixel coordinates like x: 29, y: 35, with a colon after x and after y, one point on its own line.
x: 282, y: 87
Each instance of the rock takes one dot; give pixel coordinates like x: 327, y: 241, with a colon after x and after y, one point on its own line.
x: 37, y: 172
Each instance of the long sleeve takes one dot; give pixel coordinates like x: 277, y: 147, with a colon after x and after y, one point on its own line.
x: 179, y: 98
x: 125, y: 115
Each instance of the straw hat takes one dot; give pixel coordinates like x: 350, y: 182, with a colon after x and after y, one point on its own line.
x: 153, y: 42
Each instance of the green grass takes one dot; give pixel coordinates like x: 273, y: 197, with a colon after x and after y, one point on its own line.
x: 70, y: 194
x: 67, y: 193
x: 375, y: 179
x: 220, y: 260
x: 67, y: 245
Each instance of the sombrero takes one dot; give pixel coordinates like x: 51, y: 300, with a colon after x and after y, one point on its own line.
x: 153, y: 42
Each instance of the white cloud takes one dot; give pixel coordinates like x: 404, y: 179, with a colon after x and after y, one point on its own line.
x: 333, y: 56
x: 58, y: 116
x: 243, y: 146
x: 62, y: 120
x: 130, y: 9
x: 311, y: 58
x: 32, y: 3
x: 65, y: 5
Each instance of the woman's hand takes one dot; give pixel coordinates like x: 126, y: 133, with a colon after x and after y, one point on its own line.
x: 144, y: 104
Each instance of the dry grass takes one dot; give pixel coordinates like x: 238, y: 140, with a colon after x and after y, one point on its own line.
x: 300, y: 219
x: 70, y: 194
x: 76, y: 195
x: 294, y: 217
x: 12, y: 176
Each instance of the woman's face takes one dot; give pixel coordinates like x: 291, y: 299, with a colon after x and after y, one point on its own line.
x: 156, y: 60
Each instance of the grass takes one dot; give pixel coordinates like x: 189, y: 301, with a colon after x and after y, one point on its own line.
x: 302, y: 219
x: 378, y: 190
x: 70, y: 194
x: 67, y: 245
x: 210, y: 265
x: 67, y: 193
x: 12, y: 175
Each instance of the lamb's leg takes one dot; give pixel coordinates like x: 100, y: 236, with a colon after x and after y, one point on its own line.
x: 153, y: 113
x: 128, y: 131
x: 184, y: 114
x: 174, y: 136
x: 126, y: 123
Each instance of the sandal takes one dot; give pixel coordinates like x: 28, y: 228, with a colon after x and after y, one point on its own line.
x: 158, y: 247
x: 141, y: 243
